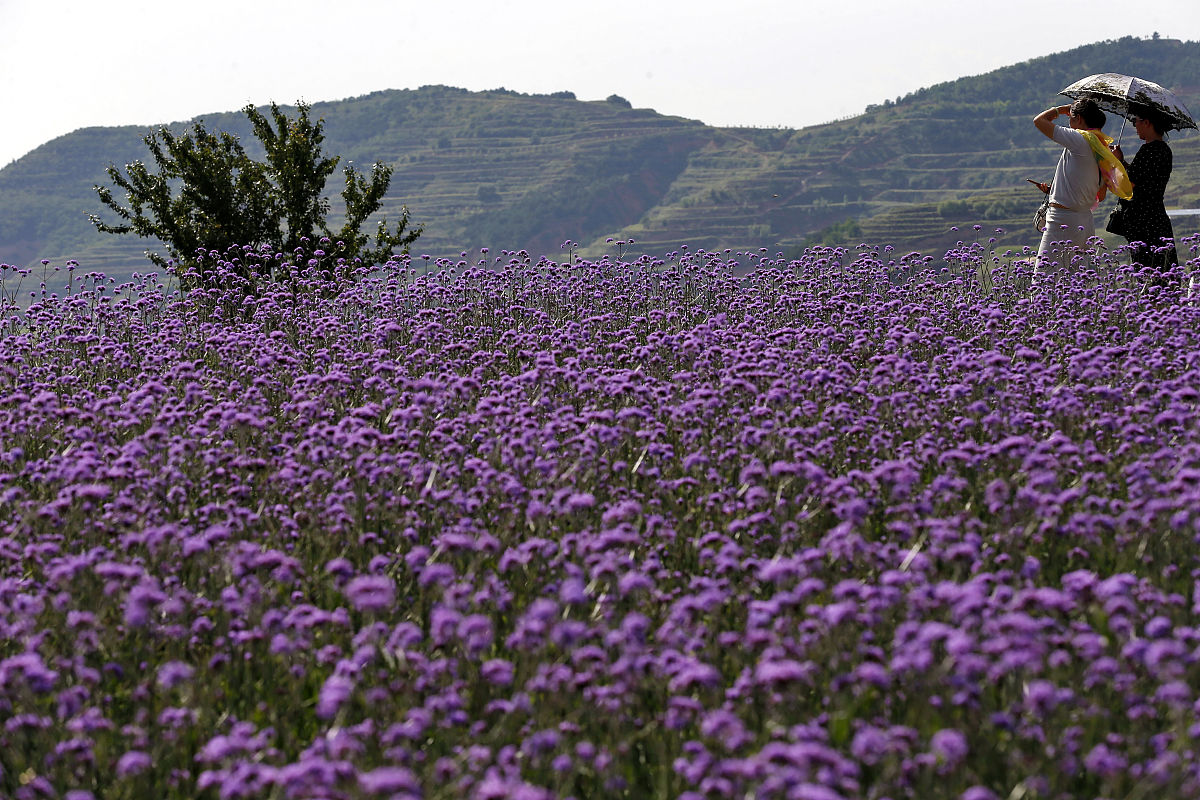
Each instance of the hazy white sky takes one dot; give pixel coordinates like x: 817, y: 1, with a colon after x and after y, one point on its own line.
x: 68, y: 64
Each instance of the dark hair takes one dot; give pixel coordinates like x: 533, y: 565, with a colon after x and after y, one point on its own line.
x: 1155, y: 118
x: 1086, y: 108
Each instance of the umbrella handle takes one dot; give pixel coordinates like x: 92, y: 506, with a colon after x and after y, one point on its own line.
x: 1122, y: 133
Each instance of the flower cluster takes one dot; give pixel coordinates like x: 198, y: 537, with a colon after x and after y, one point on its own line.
x: 715, y: 525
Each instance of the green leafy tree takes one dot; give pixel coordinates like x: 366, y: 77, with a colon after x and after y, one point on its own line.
x: 207, y: 193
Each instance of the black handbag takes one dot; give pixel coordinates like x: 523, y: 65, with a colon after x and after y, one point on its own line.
x: 1116, y: 221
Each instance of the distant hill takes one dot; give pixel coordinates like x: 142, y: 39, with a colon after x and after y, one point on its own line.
x: 513, y: 171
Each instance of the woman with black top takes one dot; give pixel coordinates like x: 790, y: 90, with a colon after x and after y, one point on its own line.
x: 1146, y: 223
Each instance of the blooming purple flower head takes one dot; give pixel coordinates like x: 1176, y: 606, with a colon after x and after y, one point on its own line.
x: 334, y: 694
x: 1104, y: 761
x: 173, y: 673
x: 370, y: 592
x: 391, y: 781
x: 869, y: 745
x: 978, y: 793
x: 950, y: 746
x: 497, y: 671
x: 133, y: 763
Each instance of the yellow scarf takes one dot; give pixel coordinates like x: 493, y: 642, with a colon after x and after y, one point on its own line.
x: 1111, y: 169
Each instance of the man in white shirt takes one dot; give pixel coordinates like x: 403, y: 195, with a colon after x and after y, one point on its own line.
x: 1076, y: 178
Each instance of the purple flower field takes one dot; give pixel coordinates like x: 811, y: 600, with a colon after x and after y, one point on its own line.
x: 707, y: 526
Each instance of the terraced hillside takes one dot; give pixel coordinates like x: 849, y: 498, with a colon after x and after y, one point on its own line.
x: 477, y: 169
x: 909, y: 172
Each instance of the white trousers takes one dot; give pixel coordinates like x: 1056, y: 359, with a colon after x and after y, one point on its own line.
x: 1066, y: 227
